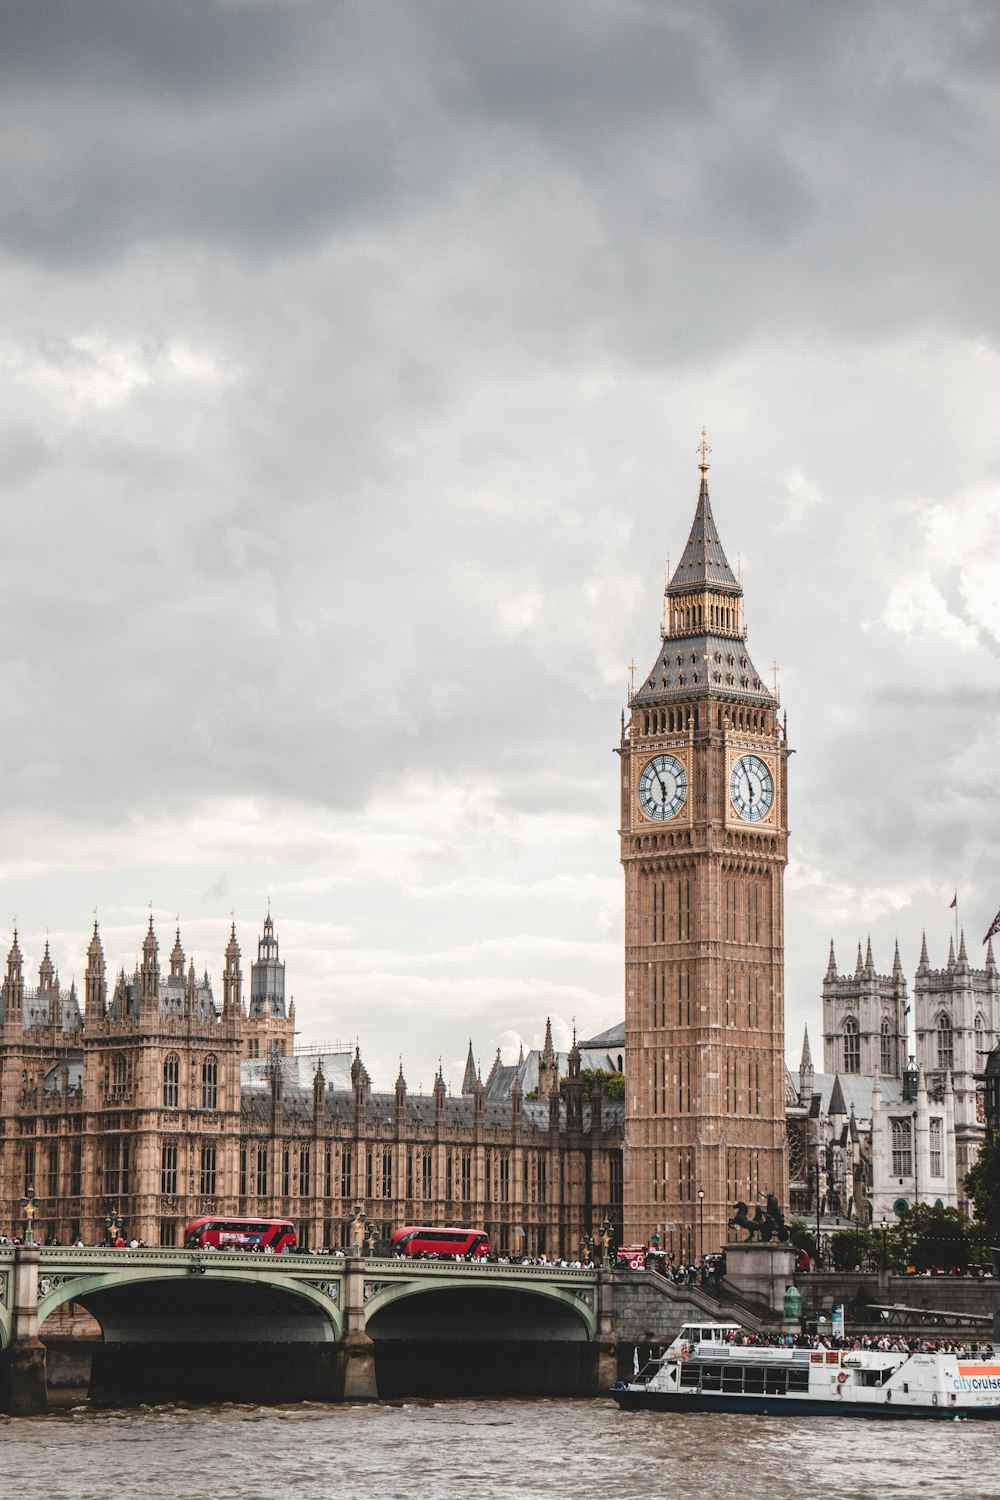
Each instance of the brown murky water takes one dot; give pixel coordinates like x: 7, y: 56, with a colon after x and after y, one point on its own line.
x: 488, y: 1450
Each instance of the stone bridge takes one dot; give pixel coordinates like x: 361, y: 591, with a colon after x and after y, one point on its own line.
x: 195, y: 1325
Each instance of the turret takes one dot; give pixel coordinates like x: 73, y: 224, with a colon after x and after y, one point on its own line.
x: 548, y: 1065
x: 13, y: 988
x: 149, y: 972
x: 319, y: 1095
x: 95, y: 985
x: 232, y: 979
x: 177, y: 958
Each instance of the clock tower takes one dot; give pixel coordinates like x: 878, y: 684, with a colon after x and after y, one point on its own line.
x: 704, y: 843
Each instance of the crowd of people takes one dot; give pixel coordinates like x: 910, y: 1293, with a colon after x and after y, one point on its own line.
x: 882, y: 1343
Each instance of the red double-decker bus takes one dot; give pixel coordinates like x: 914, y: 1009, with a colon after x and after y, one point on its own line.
x: 418, y: 1240
x: 240, y: 1234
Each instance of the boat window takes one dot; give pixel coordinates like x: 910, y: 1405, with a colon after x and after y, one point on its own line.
x: 753, y: 1378
x: 776, y: 1382
x: 711, y: 1377
x: 732, y: 1378
x: 798, y: 1380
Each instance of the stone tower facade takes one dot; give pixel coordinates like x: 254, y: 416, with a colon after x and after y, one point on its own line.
x: 864, y: 1018
x: 704, y: 845
x: 957, y: 1020
x: 270, y: 1026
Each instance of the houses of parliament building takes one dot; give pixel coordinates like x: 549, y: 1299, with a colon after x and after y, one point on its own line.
x: 158, y: 1098
x: 156, y: 1101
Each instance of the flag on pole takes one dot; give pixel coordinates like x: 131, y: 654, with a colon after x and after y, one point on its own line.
x: 635, y: 1361
x: 994, y: 928
x: 954, y: 902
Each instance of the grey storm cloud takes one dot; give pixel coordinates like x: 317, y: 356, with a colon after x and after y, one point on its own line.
x: 352, y: 358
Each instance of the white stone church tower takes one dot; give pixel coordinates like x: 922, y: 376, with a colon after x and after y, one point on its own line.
x: 957, y: 1023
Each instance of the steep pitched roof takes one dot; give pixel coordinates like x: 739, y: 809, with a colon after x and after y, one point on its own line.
x: 703, y: 560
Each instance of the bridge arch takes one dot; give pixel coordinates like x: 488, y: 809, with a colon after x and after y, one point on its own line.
x: 472, y: 1309
x: 140, y: 1304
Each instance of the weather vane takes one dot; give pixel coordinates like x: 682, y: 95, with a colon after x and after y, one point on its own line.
x: 704, y: 450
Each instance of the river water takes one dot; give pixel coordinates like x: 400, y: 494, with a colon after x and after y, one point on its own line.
x: 488, y: 1450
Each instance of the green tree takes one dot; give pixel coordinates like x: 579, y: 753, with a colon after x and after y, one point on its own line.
x: 983, y: 1187
x: 931, y: 1239
x: 849, y: 1249
x: 612, y: 1085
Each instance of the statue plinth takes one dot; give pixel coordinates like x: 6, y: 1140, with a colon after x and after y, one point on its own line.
x: 760, y: 1270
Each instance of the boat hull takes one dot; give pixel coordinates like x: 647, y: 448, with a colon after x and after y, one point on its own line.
x: 800, y: 1406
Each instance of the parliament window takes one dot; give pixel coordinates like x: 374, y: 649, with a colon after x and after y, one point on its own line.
x: 387, y: 1173
x: 171, y: 1080
x: 208, y: 1171
x: 261, y: 1172
x: 117, y: 1155
x: 304, y: 1171
x: 168, y: 1168
x: 467, y: 1177
x: 428, y: 1172
x: 945, y: 1043
x: 210, y: 1083
x: 935, y: 1143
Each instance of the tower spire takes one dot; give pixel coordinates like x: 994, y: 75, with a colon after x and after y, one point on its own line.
x: 703, y: 562
x: 469, y: 1077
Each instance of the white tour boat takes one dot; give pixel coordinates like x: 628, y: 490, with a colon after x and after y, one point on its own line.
x: 704, y: 1369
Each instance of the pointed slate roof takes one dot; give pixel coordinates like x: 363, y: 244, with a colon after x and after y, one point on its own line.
x: 703, y: 560
x: 837, y: 1105
x: 806, y: 1062
x: 469, y: 1077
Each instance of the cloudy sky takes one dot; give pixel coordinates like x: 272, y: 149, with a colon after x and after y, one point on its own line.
x: 352, y: 362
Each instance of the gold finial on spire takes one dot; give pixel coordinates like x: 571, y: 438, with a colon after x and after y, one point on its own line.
x: 704, y: 450
x: 631, y: 677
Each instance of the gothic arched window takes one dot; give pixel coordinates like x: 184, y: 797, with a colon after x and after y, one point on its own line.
x: 119, y: 1072
x: 852, y: 1046
x: 888, y: 1051
x: 171, y: 1080
x: 210, y: 1083
x: 902, y: 1148
x: 945, y: 1042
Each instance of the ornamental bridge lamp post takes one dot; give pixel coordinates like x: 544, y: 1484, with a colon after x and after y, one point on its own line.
x: 28, y: 1205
